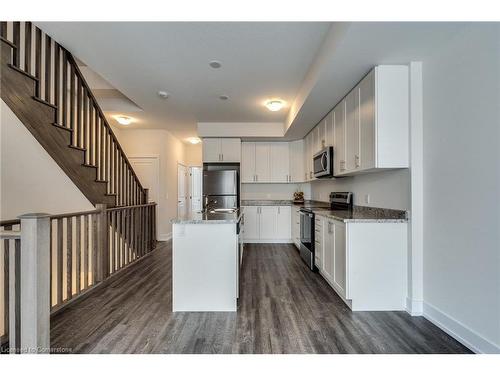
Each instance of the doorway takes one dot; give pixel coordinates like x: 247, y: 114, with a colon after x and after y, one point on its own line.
x: 182, y: 190
x: 195, y: 187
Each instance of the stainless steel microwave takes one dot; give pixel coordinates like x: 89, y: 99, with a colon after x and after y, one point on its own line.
x: 323, y: 163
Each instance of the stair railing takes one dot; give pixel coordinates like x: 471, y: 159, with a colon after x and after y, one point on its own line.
x: 79, y: 250
x: 61, y: 84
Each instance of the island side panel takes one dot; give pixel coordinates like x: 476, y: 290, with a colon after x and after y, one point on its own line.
x: 204, y: 267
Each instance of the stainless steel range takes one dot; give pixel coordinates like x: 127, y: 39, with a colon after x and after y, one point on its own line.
x: 338, y: 201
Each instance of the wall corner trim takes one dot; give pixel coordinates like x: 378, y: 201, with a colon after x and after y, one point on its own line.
x: 459, y: 331
x: 414, y: 307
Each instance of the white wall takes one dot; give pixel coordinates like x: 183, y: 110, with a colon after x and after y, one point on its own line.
x: 170, y: 151
x: 274, y: 191
x: 388, y: 189
x: 31, y: 181
x: 462, y: 187
x: 193, y: 154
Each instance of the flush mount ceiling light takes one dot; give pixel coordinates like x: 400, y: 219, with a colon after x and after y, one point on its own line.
x: 223, y: 97
x: 163, y: 94
x: 124, y: 120
x: 215, y: 64
x: 274, y: 105
x: 194, y: 140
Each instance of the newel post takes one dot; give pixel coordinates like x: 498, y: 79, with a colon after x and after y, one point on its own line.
x: 35, y: 283
x: 146, y: 196
x: 102, y: 243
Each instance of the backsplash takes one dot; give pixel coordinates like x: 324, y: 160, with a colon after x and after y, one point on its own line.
x: 389, y: 189
x: 274, y: 191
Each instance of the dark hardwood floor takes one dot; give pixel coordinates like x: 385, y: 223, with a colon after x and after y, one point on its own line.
x: 283, y: 308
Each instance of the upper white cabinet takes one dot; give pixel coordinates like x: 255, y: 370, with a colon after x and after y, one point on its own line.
x: 297, y: 172
x: 268, y: 162
x: 339, y: 120
x: 262, y: 166
x: 352, y: 130
x: 279, y: 162
x: 247, y: 162
x: 221, y: 150
x: 374, y: 131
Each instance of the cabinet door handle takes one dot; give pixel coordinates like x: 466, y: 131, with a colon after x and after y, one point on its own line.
x: 222, y: 157
x: 279, y: 210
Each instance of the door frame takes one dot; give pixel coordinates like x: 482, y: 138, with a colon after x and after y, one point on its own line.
x: 177, y: 186
x: 191, y: 185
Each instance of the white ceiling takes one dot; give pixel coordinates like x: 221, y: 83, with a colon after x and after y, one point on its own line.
x: 310, y: 65
x: 259, y: 61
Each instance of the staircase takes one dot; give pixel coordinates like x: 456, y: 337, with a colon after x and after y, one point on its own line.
x: 43, y: 86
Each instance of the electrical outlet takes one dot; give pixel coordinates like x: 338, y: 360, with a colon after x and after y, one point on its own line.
x: 367, y: 198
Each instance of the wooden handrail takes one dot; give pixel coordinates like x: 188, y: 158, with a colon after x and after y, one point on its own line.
x: 6, y: 223
x: 72, y: 61
x: 73, y: 214
x: 128, y: 207
x: 60, y: 84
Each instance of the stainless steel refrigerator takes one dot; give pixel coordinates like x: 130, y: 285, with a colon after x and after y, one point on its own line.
x: 220, y: 189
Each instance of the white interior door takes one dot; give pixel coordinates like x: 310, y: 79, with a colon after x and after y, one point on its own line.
x: 147, y: 169
x: 182, y: 190
x: 196, y: 188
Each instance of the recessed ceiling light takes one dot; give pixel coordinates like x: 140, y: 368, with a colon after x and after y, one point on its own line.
x: 215, y: 64
x: 274, y: 105
x: 124, y: 120
x: 194, y: 140
x: 223, y: 97
x: 163, y: 94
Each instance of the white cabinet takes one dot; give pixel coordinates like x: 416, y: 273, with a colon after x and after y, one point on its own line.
x: 339, y: 256
x: 334, y: 255
x: 367, y: 121
x: 231, y: 150
x: 297, y: 172
x: 247, y: 162
x: 267, y: 224
x: 352, y: 130
x: 225, y: 150
x: 211, y: 150
x: 279, y: 162
x: 365, y: 263
x: 329, y: 135
x: 283, y: 228
x: 295, y: 224
x: 267, y: 162
x: 339, y: 135
x: 375, y: 132
x: 262, y: 167
x: 251, y: 223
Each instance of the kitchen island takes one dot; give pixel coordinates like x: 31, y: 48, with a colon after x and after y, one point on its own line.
x: 206, y: 258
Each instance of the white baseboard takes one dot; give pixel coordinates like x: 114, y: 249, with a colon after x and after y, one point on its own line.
x: 268, y: 241
x: 467, y: 336
x: 165, y: 237
x: 414, y: 307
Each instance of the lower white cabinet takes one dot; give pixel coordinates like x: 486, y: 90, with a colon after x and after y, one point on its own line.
x: 365, y: 263
x: 295, y: 225
x: 267, y: 224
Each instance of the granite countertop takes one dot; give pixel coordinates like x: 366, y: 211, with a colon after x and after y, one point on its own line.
x: 359, y: 214
x: 269, y: 202
x: 362, y: 214
x: 202, y: 217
